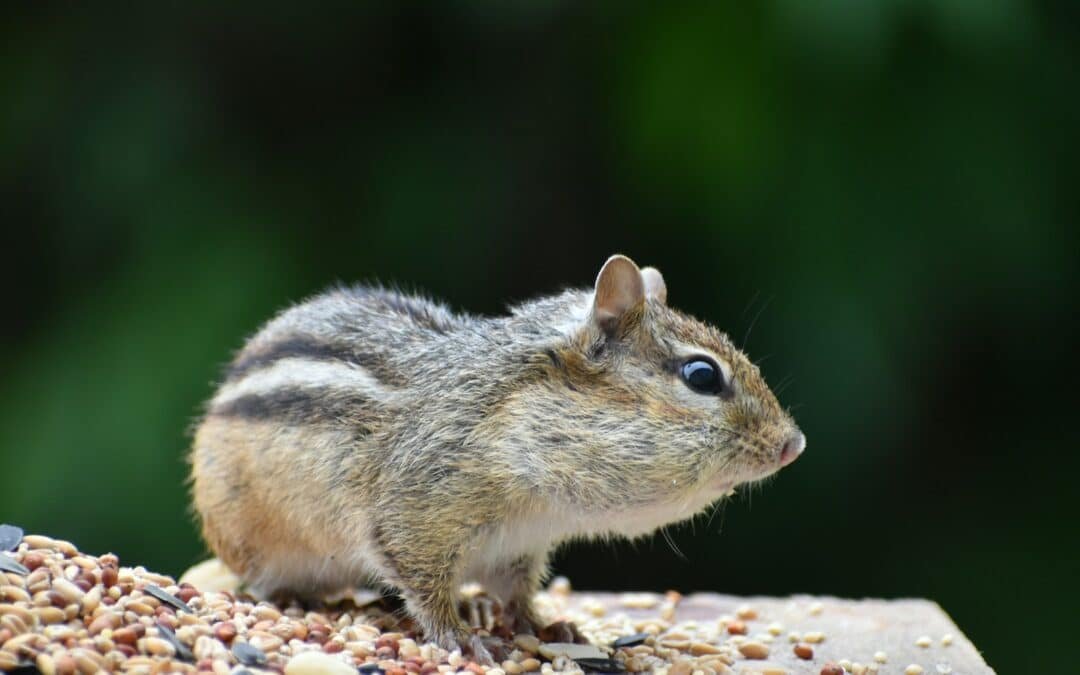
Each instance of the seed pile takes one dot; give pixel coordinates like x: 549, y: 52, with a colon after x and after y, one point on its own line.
x: 66, y: 612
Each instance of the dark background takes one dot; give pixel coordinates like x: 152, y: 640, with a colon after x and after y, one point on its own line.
x: 890, y: 188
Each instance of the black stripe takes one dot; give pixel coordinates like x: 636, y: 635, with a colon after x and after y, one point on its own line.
x: 295, y: 346
x: 310, y: 405
x: 315, y: 350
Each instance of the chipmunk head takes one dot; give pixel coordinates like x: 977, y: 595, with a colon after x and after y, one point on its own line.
x: 661, y: 396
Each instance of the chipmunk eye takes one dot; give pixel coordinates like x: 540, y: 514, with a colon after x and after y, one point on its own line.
x: 703, y: 376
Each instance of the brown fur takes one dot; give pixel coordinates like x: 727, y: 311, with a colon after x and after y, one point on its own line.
x: 368, y: 433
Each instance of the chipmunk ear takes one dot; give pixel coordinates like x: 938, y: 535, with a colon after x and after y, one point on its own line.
x: 654, y: 284
x: 619, y: 289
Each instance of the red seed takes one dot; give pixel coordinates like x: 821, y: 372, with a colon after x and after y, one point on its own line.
x: 804, y: 651
x: 383, y: 641
x: 109, y: 576
x: 32, y: 561
x: 736, y: 628
x: 832, y: 669
x: 186, y: 593
x: 333, y: 647
x: 125, y: 636
x: 65, y: 665
x: 225, y: 631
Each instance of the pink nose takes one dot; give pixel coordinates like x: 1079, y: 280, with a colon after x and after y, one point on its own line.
x: 792, y: 448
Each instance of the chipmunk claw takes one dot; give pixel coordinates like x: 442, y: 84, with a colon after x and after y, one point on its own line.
x: 481, y: 611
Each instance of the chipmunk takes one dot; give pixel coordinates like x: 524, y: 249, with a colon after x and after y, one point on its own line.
x: 367, y: 434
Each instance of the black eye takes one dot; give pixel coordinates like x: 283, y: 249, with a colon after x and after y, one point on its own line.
x: 703, y: 376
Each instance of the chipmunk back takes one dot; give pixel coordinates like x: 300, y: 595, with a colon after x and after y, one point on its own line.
x: 366, y: 435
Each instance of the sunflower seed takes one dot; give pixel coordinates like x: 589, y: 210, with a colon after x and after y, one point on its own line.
x: 167, y: 598
x: 248, y: 655
x: 9, y: 564
x: 630, y: 640
x: 182, y: 650
x: 600, y: 665
x: 10, y: 536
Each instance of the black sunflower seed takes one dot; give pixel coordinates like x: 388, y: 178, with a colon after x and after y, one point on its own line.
x: 168, y: 598
x: 182, y: 650
x: 10, y: 536
x: 248, y: 655
x: 630, y: 640
x: 371, y: 669
x: 9, y: 564
x: 600, y: 665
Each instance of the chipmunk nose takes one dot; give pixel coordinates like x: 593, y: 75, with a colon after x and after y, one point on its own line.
x: 792, y: 448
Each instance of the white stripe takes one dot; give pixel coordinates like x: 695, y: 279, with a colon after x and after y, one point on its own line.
x: 298, y: 372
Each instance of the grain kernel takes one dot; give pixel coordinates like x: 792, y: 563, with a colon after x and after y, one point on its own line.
x: 559, y: 586
x: 746, y: 612
x: 775, y: 629
x: 157, y: 647
x: 13, y: 594
x: 14, y: 624
x: 832, y: 669
x: 754, y: 650
x: 805, y: 652
x: 946, y: 640
x: 140, y: 608
x: 639, y: 600
x: 845, y: 664
x: 913, y: 669
x: 736, y: 628
x: 924, y: 642
x: 68, y: 590
x: 881, y: 657
x: 817, y: 608
x: 49, y: 615
x: 529, y: 665
x: 814, y: 637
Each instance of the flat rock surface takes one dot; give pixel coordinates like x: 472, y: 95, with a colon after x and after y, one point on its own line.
x: 852, y: 630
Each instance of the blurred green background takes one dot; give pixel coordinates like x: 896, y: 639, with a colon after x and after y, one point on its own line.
x: 890, y: 187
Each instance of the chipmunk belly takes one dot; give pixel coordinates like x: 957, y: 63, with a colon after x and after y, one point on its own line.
x: 537, y: 533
